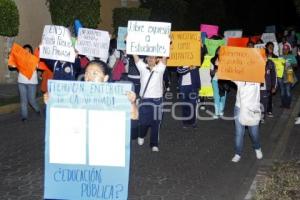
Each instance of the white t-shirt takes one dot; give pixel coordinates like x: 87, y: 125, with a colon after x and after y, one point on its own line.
x: 248, y: 93
x: 155, y: 86
x: 186, y: 79
x: 23, y: 79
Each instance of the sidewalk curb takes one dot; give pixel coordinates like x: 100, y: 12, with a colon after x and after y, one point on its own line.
x: 282, y: 134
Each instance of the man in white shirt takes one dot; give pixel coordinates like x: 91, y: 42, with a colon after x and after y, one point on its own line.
x: 151, y: 93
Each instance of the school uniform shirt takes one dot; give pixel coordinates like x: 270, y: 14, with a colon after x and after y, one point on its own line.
x: 24, y: 80
x: 248, y: 93
x: 155, y: 86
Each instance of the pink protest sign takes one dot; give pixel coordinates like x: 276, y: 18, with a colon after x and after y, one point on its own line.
x: 210, y: 30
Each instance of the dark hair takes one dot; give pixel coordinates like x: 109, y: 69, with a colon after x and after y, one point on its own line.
x: 250, y: 43
x: 102, y: 66
x: 28, y: 46
x: 269, y: 43
x: 112, y: 46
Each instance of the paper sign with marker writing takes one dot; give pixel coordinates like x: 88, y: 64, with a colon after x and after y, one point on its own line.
x: 210, y: 30
x: 148, y: 38
x: 242, y: 64
x: 25, y: 62
x: 237, y: 42
x: 185, y: 48
x: 86, y: 154
x: 94, y: 43
x: 212, y: 45
x: 57, y: 44
x: 122, y: 32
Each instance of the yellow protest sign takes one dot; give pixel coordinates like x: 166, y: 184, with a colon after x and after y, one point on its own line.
x: 279, y: 65
x: 206, y: 62
x: 206, y: 91
x: 242, y: 64
x: 185, y: 48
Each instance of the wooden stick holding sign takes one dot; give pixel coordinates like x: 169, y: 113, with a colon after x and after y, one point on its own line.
x: 242, y: 64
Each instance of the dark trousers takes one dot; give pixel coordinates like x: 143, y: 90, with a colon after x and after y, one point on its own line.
x: 189, y: 97
x: 150, y: 115
x: 264, y: 100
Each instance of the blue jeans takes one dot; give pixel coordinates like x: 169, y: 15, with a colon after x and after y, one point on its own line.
x: 28, y: 94
x: 285, y: 93
x: 240, y: 132
x: 189, y: 96
x: 218, y: 100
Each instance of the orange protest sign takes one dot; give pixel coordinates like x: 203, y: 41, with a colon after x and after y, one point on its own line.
x: 24, y: 61
x: 185, y: 48
x: 237, y: 42
x: 242, y: 64
x: 42, y: 65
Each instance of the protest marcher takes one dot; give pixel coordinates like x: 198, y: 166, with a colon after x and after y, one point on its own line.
x: 268, y: 88
x: 270, y: 54
x: 189, y: 85
x: 283, y: 42
x: 247, y: 113
x: 288, y: 78
x: 220, y: 87
x: 151, y: 93
x: 133, y: 74
x: 27, y: 88
x: 63, y: 70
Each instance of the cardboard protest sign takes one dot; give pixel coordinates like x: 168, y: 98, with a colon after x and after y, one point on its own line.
x: 93, y: 43
x: 233, y: 34
x: 122, y: 32
x: 148, y: 38
x: 237, y: 42
x: 57, y: 44
x: 212, y: 45
x: 86, y: 154
x: 25, y: 62
x: 268, y: 37
x: 210, y: 30
x: 242, y: 64
x: 279, y: 65
x: 185, y: 48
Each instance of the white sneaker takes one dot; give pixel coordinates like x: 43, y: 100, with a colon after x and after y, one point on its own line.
x: 297, y: 120
x: 236, y: 158
x: 259, y: 154
x: 140, y: 141
x: 155, y: 149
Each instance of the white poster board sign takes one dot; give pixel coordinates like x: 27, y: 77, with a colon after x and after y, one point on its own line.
x: 57, y: 44
x: 148, y: 38
x: 93, y: 43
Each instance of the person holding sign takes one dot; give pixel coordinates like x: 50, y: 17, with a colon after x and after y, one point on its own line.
x: 27, y: 88
x: 189, y: 85
x: 220, y: 87
x: 151, y: 93
x: 247, y: 113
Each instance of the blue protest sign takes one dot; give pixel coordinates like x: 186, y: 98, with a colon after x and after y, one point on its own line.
x: 87, y: 145
x: 122, y: 32
x: 77, y: 26
x: 203, y: 37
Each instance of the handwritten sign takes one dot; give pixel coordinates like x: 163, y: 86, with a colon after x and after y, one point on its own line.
x: 57, y: 44
x: 233, y: 34
x: 242, y: 64
x: 238, y: 42
x: 268, y: 37
x: 212, y: 45
x: 122, y: 32
x: 148, y: 38
x: 94, y: 43
x: 25, y: 62
x: 185, y: 48
x: 210, y: 30
x: 279, y: 65
x: 86, y: 154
